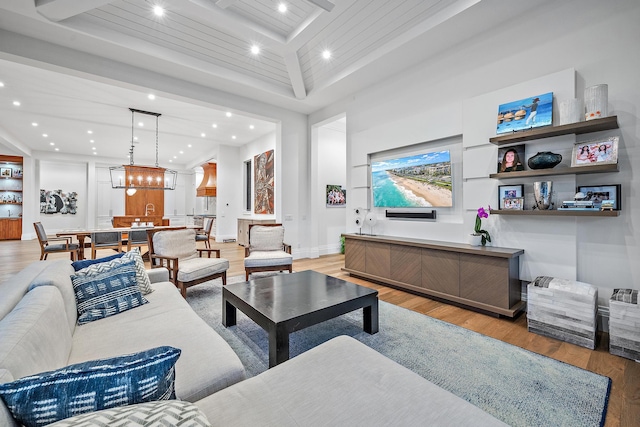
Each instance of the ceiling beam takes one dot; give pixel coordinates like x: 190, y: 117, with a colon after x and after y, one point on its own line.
x: 295, y: 74
x: 324, y: 4
x: 225, y: 3
x: 58, y: 10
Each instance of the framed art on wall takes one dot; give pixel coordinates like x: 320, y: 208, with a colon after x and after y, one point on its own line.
x: 336, y: 196
x: 599, y: 193
x: 510, y: 192
x: 600, y: 152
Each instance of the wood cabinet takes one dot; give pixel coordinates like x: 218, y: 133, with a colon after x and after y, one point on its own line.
x: 10, y: 228
x: 126, y: 220
x: 11, y: 197
x: 597, y: 125
x: 484, y: 278
x: 243, y: 228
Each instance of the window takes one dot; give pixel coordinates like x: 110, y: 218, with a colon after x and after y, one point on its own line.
x: 247, y: 186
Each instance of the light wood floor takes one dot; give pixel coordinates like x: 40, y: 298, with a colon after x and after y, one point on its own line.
x: 624, y: 403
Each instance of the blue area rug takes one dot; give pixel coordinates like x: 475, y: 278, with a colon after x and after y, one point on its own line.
x: 514, y: 385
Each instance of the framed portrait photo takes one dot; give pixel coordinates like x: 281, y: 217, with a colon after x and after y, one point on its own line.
x: 600, y: 152
x: 511, y: 159
x: 5, y: 172
x: 510, y: 192
x: 611, y: 194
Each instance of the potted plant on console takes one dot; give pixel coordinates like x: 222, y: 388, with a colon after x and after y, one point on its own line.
x: 480, y: 236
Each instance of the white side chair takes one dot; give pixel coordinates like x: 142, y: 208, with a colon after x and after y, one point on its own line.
x: 266, y: 250
x: 176, y: 250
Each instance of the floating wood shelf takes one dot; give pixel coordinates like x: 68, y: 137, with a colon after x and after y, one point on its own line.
x: 553, y: 171
x: 597, y: 125
x: 555, y: 212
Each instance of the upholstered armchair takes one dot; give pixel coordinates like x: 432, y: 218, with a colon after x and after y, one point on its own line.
x: 266, y: 250
x: 176, y: 250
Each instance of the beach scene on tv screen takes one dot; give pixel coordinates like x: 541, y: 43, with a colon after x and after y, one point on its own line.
x: 423, y: 180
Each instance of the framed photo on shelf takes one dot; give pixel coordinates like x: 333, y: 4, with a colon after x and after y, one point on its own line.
x: 600, y: 152
x: 600, y: 193
x: 511, y: 159
x: 513, y: 203
x: 510, y: 192
x: 5, y: 172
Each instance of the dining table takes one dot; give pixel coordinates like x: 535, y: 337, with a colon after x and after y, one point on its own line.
x: 82, y: 234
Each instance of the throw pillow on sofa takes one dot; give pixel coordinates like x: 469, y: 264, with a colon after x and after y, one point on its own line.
x: 79, y: 265
x: 106, y: 289
x: 165, y: 413
x: 142, y: 278
x: 41, y: 399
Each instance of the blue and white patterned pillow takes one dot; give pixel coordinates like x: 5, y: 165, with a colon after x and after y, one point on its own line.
x: 51, y: 396
x: 142, y: 278
x: 79, y: 265
x: 106, y: 289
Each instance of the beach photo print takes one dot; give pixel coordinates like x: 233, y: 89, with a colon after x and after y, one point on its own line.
x: 422, y: 180
x: 527, y: 113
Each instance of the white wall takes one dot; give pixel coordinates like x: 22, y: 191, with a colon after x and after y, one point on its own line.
x: 332, y: 166
x: 426, y: 103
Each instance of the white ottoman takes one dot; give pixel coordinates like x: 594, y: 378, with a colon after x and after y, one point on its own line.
x: 563, y: 309
x: 624, y: 324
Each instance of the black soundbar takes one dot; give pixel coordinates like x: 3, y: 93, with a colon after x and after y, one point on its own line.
x: 419, y: 215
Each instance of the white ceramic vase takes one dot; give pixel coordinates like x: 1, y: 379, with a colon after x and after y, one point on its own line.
x: 596, y: 101
x: 571, y: 111
x: 475, y: 239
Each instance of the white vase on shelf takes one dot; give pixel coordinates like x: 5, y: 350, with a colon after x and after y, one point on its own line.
x: 596, y: 102
x: 475, y: 239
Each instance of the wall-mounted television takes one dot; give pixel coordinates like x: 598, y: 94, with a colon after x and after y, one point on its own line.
x: 419, y: 181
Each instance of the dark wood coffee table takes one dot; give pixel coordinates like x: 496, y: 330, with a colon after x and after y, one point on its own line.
x: 289, y: 302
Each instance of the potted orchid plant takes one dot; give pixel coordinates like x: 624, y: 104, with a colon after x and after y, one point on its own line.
x: 478, y: 231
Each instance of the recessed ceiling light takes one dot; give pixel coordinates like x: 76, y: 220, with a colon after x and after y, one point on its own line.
x: 151, y: 96
x: 203, y: 134
x: 326, y: 54
x: 1, y: 84
x: 251, y: 126
x: 158, y: 10
x: 91, y: 141
x: 52, y: 143
x: 175, y: 157
x: 45, y: 135
x: 57, y: 149
x: 170, y: 161
x: 89, y: 132
x: 95, y: 153
x: 189, y: 145
x: 228, y: 114
x: 135, y: 138
x: 34, y: 124
x: 181, y: 152
x: 93, y: 148
x: 233, y: 137
x: 255, y: 49
x: 282, y: 8
x: 16, y: 103
x: 140, y: 124
x: 214, y: 125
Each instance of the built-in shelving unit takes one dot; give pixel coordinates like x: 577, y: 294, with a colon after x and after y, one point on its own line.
x: 597, y: 125
x: 554, y: 212
x: 11, y: 197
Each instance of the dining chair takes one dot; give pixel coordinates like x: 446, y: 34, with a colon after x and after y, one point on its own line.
x: 266, y: 250
x: 136, y: 238
x: 47, y: 248
x: 105, y: 240
x: 205, y: 234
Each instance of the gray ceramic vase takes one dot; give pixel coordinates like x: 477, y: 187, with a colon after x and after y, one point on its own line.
x: 544, y: 160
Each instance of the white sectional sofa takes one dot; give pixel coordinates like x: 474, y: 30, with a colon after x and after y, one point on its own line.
x: 341, y: 382
x: 38, y: 332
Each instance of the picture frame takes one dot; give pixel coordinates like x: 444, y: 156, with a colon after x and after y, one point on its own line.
x: 597, y: 152
x: 511, y: 159
x: 336, y: 196
x: 513, y: 203
x: 600, y: 193
x: 6, y: 172
x: 527, y: 113
x: 510, y: 192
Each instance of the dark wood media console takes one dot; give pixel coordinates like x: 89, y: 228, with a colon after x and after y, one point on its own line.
x: 484, y: 278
